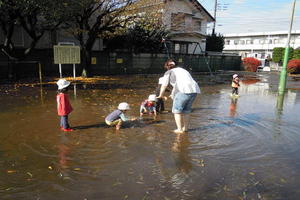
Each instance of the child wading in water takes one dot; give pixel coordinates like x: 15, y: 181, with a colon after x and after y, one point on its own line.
x: 149, y: 106
x: 235, y: 85
x: 64, y: 107
x: 117, y: 117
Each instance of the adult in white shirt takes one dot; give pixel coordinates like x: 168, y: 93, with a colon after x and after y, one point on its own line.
x: 185, y: 90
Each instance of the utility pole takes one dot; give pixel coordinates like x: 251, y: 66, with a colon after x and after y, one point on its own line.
x: 215, y: 16
x: 282, y: 81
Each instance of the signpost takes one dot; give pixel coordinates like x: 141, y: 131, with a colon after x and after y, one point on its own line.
x: 66, y: 53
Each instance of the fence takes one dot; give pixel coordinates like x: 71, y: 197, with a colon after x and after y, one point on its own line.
x: 108, y: 63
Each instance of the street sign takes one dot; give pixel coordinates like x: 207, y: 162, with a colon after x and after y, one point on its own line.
x: 64, y: 54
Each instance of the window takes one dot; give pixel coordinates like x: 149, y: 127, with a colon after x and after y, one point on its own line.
x: 181, y: 47
x: 227, y: 42
x: 242, y: 42
x: 249, y: 42
x: 199, y: 23
x: 261, y: 41
x: 236, y: 42
x: 178, y: 21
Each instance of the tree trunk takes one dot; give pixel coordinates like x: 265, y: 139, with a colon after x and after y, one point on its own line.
x: 86, y: 63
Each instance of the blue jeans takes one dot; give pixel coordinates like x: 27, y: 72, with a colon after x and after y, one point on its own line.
x: 182, y: 103
x: 64, y: 122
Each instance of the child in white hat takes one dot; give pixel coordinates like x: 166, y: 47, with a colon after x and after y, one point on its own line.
x: 149, y: 106
x: 117, y: 117
x: 235, y: 84
x: 64, y: 107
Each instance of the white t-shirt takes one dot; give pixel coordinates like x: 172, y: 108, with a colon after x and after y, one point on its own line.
x: 181, y: 81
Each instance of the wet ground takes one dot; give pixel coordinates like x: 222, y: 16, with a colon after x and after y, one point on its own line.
x: 235, y: 149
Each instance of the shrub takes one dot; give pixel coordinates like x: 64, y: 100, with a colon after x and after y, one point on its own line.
x: 278, y: 53
x: 296, y: 54
x: 294, y: 66
x: 291, y: 54
x: 251, y: 64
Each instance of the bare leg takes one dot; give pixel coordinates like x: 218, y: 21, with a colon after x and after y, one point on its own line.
x: 186, y: 118
x: 179, y: 122
x: 118, y: 126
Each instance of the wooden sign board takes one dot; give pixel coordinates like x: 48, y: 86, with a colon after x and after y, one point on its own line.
x: 65, y: 54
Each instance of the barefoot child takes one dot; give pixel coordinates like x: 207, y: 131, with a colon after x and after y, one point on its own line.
x: 64, y: 107
x: 235, y: 85
x: 117, y: 117
x: 149, y: 106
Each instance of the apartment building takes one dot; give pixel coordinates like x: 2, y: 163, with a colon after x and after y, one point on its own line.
x: 259, y: 44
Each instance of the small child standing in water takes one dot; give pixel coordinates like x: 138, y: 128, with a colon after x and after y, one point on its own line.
x: 117, y: 117
x: 149, y: 106
x: 64, y: 107
x: 235, y: 84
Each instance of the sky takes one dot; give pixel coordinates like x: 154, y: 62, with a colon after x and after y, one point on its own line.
x: 244, y: 16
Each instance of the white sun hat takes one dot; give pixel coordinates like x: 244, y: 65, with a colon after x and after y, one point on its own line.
x: 235, y: 75
x: 152, y: 97
x: 123, y: 106
x: 62, y: 83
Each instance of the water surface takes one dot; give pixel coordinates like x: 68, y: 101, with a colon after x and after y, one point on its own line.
x: 235, y: 149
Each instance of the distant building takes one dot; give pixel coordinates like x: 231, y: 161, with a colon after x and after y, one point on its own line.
x: 260, y: 44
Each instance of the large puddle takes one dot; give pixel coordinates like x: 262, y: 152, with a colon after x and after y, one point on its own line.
x: 235, y: 149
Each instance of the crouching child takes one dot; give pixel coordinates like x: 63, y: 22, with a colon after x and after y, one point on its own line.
x: 117, y: 117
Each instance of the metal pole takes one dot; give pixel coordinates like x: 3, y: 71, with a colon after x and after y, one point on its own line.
x: 40, y: 73
x: 60, y: 74
x: 282, y: 81
x: 215, y: 16
x: 74, y: 71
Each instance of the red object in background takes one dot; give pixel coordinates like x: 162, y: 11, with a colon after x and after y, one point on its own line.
x: 251, y: 64
x: 293, y: 66
x: 250, y: 81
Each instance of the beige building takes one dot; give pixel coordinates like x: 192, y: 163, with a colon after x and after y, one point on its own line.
x: 187, y: 20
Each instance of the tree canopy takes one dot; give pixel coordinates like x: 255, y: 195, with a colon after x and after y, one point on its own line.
x: 33, y: 16
x: 215, y: 43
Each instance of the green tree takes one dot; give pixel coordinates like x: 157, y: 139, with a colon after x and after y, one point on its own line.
x: 215, y: 43
x: 33, y: 16
x: 296, y: 54
x: 92, y: 19
x: 278, y: 53
x: 144, y: 36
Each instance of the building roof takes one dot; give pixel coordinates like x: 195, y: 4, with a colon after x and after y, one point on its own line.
x: 260, y: 33
x: 201, y: 8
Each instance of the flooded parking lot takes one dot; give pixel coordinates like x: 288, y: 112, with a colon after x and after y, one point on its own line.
x: 235, y: 149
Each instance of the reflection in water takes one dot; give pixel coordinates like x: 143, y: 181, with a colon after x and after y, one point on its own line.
x: 63, y: 151
x: 41, y: 94
x: 183, y: 161
x: 280, y: 100
x: 75, y: 91
x: 242, y: 141
x: 232, y: 107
